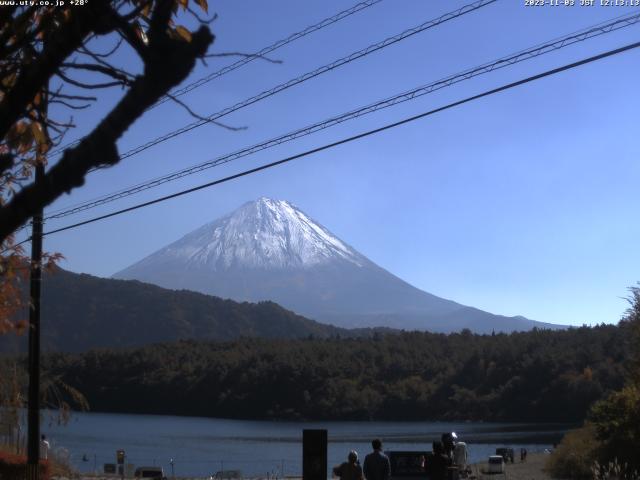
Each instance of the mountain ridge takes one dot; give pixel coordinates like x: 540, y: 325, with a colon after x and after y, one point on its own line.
x: 82, y: 312
x: 271, y: 250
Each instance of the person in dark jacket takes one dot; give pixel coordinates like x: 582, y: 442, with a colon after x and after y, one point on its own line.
x: 349, y: 470
x: 436, y: 467
x: 376, y: 464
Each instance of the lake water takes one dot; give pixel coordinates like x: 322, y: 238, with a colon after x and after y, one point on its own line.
x: 202, y: 446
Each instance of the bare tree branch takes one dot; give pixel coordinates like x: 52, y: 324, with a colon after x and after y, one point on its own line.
x: 201, y: 20
x: 99, y: 59
x: 200, y: 117
x: 62, y: 42
x: 92, y: 86
x: 70, y: 105
x: 167, y: 61
x: 117, y: 74
x: 85, y: 49
x: 73, y: 97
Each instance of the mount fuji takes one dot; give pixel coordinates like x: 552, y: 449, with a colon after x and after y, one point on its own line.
x: 271, y: 250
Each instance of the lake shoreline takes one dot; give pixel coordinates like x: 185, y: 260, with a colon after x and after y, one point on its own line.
x: 532, y: 469
x: 198, y: 447
x: 297, y: 418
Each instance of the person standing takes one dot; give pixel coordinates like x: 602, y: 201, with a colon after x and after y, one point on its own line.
x: 438, y: 463
x: 376, y: 464
x: 44, y: 447
x: 349, y: 470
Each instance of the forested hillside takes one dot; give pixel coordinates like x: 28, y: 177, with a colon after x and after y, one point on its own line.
x: 80, y: 312
x: 531, y: 376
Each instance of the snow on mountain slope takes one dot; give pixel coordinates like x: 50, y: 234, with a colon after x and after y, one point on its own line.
x: 270, y: 250
x: 268, y: 234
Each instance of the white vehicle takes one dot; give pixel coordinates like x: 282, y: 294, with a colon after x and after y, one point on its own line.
x: 496, y: 464
x: 460, y: 456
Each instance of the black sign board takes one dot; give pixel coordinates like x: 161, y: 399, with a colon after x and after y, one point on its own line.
x: 314, y: 455
x: 109, y: 468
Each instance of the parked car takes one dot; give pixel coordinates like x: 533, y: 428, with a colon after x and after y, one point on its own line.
x: 149, y: 472
x: 496, y: 464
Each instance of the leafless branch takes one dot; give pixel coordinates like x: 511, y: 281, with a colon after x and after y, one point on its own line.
x: 92, y: 86
x: 202, y: 20
x: 99, y: 146
x: 85, y: 49
x: 110, y: 72
x: 57, y: 95
x: 200, y: 117
x: 106, y: 64
x: 69, y: 124
x: 69, y: 105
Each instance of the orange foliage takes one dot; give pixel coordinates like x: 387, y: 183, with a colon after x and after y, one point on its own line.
x: 14, y: 466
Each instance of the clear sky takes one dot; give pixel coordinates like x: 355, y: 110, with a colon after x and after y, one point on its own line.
x: 523, y: 203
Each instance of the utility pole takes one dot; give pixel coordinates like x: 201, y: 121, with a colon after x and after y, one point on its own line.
x: 33, y: 416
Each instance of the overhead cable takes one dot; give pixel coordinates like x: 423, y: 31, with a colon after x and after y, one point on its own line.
x: 512, y: 59
x: 271, y: 48
x: 312, y: 74
x: 250, y: 58
x: 368, y: 133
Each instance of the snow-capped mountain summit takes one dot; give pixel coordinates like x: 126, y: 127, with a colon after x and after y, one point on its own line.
x: 271, y: 250
x: 266, y: 234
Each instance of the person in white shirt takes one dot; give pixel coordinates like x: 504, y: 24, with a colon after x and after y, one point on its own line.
x: 44, y: 448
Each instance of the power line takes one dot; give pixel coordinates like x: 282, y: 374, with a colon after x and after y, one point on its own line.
x: 532, y: 52
x: 508, y: 86
x: 250, y: 58
x: 271, y: 48
x: 309, y: 75
x: 312, y: 74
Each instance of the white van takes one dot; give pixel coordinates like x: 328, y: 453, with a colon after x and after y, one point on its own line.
x: 496, y: 464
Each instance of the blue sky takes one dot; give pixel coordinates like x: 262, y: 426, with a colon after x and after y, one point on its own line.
x: 523, y: 203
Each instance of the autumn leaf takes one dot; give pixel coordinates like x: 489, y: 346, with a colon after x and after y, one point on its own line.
x: 184, y: 33
x: 203, y: 5
x: 38, y: 133
x: 9, y: 80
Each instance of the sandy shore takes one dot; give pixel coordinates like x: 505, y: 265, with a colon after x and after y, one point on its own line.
x: 532, y: 469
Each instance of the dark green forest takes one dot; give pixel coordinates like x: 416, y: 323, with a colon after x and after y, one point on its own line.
x: 127, y: 313
x: 537, y: 376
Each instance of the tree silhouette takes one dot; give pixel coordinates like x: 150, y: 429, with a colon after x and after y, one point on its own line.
x: 48, y: 56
